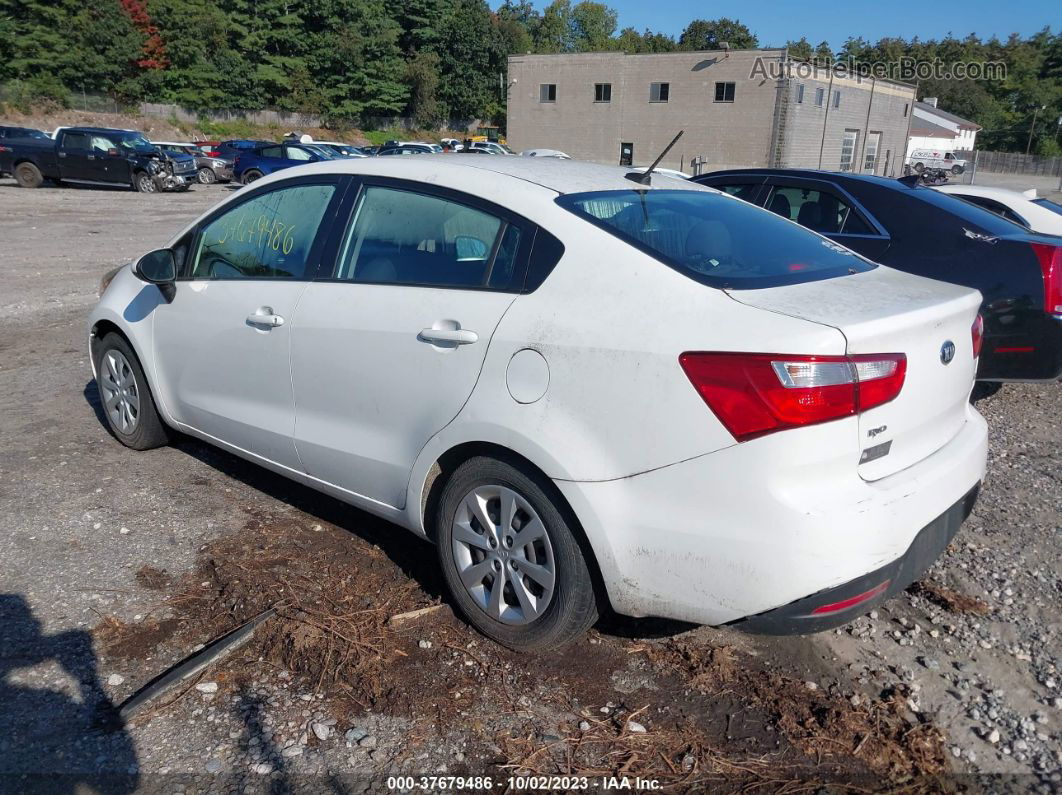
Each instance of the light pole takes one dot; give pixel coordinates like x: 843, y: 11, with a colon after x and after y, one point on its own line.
x: 1032, y: 127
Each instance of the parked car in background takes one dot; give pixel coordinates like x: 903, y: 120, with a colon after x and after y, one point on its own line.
x: 208, y: 169
x: 492, y: 147
x: 98, y: 156
x: 924, y: 231
x: 652, y: 397
x: 230, y: 149
x: 545, y: 153
x: 922, y: 159
x: 451, y: 144
x: 253, y: 164
x: 346, y: 150
x: 8, y: 134
x: 406, y: 148
x: 22, y: 132
x: 1025, y: 208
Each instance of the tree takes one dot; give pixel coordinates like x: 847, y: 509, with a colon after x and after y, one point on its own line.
x: 709, y: 34
x: 422, y: 77
x: 592, y: 27
x: 554, y: 32
x: 469, y: 60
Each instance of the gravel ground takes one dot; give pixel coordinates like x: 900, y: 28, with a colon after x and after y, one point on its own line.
x: 112, y: 572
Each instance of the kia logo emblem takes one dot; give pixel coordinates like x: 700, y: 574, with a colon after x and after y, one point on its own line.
x: 947, y: 352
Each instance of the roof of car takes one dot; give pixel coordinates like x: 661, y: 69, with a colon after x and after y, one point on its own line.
x: 987, y: 191
x: 561, y: 176
x: 810, y: 173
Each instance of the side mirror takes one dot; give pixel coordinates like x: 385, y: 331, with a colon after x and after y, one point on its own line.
x: 157, y: 267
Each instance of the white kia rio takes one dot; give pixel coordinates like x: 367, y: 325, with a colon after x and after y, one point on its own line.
x: 587, y: 391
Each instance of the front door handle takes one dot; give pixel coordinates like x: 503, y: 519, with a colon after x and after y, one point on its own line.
x: 454, y: 336
x: 264, y: 316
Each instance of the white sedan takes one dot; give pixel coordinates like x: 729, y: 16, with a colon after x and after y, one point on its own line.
x: 585, y: 390
x: 1024, y: 208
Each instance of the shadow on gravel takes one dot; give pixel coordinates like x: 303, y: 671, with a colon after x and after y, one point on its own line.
x: 51, y: 741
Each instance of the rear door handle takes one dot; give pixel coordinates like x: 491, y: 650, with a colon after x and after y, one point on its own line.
x: 264, y: 317
x: 457, y: 336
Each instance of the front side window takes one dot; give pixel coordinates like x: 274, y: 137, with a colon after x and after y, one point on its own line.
x: 402, y: 237
x: 547, y: 92
x: 659, y: 92
x: 101, y: 143
x: 724, y: 92
x: 848, y: 145
x: 714, y: 239
x: 820, y: 210
x: 267, y: 237
x: 602, y: 92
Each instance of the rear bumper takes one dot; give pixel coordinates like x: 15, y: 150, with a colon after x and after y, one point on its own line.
x: 836, y: 606
x: 1033, y: 352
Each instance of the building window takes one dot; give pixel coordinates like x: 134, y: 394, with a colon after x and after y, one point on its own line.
x: 724, y: 92
x: 800, y: 93
x: 602, y: 92
x: 659, y: 92
x: 905, y: 106
x: 820, y: 94
x: 547, y: 92
x: 848, y: 146
x: 870, y: 160
x: 837, y: 99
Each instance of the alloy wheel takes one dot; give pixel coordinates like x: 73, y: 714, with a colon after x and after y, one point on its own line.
x: 146, y: 183
x: 121, y: 396
x: 503, y: 554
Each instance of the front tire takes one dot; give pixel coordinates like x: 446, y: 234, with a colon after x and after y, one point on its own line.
x: 125, y: 396
x: 207, y: 176
x: 957, y: 170
x: 511, y: 559
x: 28, y: 175
x: 144, y: 182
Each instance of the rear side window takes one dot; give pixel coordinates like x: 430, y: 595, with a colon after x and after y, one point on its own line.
x: 821, y: 210
x: 267, y: 237
x: 403, y: 237
x: 713, y: 239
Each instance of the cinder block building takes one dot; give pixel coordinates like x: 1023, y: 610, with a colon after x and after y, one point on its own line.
x: 739, y: 108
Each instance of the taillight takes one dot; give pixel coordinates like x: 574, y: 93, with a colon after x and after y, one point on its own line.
x: 5, y: 148
x: 214, y: 153
x: 977, y: 332
x: 1051, y: 266
x: 754, y: 394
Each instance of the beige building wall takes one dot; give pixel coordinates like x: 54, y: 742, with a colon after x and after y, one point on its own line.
x: 763, y: 126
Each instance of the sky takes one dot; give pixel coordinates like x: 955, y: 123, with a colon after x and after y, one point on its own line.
x: 776, y: 22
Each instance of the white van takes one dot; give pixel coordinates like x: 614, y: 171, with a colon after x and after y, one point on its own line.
x: 922, y: 159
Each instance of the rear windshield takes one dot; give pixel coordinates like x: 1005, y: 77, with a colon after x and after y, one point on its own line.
x: 715, y: 239
x: 1047, y: 204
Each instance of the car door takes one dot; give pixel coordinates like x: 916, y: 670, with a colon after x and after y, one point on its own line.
x: 222, y: 342
x: 100, y: 161
x: 74, y: 151
x: 387, y: 350
x: 828, y: 209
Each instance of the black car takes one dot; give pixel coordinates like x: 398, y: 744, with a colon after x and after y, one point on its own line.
x: 96, y: 156
x: 913, y: 228
x: 405, y: 149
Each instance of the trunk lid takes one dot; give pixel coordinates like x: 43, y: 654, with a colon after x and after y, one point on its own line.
x: 886, y: 311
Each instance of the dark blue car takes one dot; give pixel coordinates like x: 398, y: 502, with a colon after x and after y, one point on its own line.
x: 256, y: 163
x: 913, y: 228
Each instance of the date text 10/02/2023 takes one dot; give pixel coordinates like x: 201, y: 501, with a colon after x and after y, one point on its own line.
x: 523, y: 783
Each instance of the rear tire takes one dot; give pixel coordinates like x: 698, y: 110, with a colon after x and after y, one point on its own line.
x: 28, y: 175
x: 125, y: 396
x: 144, y: 183
x: 251, y: 176
x: 956, y: 170
x: 528, y: 596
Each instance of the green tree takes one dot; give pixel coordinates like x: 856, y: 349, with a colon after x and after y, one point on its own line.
x: 593, y: 25
x: 709, y: 34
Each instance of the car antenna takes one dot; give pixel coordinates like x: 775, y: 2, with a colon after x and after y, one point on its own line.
x: 643, y: 177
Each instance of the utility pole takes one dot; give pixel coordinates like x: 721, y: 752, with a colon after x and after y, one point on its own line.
x: 1032, y: 127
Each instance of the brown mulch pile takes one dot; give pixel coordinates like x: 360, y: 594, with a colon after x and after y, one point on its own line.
x: 879, y: 732
x: 333, y: 595
x: 951, y: 600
